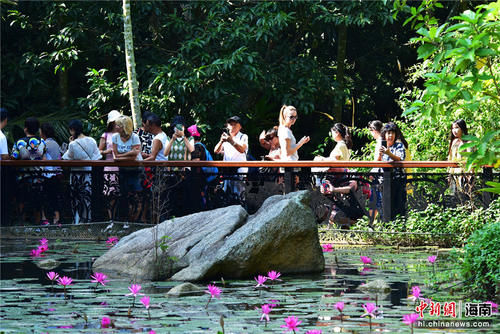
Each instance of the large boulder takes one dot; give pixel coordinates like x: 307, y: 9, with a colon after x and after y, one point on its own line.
x: 282, y: 235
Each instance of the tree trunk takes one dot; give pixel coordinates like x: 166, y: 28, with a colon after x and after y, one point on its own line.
x: 341, y: 54
x: 130, y: 63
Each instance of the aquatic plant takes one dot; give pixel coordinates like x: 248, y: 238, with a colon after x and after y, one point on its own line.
x: 65, y: 281
x: 105, y: 322
x: 213, y: 291
x: 36, y: 252
x: 134, y: 291
x: 339, y: 306
x: 366, y: 260
x: 432, y: 259
x: 112, y: 241
x: 415, y: 293
x: 265, y: 309
x: 273, y: 275
x: 314, y: 331
x: 410, y: 319
x: 260, y: 281
x: 99, y: 278
x: 370, y: 309
x: 291, y: 323
x: 327, y: 248
x: 145, y: 302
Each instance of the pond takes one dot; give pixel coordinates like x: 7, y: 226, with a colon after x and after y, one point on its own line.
x: 30, y: 303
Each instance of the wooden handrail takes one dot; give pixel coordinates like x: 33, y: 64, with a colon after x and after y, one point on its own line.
x: 303, y: 163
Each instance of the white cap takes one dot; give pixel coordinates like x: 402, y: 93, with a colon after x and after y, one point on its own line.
x: 113, y: 115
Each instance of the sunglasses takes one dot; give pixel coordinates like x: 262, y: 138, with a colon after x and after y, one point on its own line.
x: 293, y: 117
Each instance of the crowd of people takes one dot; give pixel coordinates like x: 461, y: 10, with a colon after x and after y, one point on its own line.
x: 120, y: 142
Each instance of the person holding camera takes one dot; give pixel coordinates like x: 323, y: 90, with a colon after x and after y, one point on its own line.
x: 179, y: 147
x: 234, y: 145
x: 393, y: 148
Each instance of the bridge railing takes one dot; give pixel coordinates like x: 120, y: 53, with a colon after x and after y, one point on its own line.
x: 103, y: 190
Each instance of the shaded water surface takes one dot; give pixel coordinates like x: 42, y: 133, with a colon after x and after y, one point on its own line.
x: 29, y: 303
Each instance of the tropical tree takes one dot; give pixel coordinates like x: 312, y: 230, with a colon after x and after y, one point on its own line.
x: 460, y: 72
x: 130, y: 63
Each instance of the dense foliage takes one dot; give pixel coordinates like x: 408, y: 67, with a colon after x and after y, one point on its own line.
x: 481, y: 265
x: 448, y: 227
x: 460, y: 70
x: 207, y: 60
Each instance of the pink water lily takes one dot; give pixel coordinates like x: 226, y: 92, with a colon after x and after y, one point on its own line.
x: 273, y: 275
x: 432, y: 258
x: 415, y: 293
x: 152, y: 332
x: 266, y: 308
x: 339, y: 306
x: 52, y: 275
x: 145, y: 301
x: 43, y: 248
x: 99, y: 278
x: 314, y: 331
x: 260, y: 281
x: 213, y: 291
x: 366, y: 260
x: 105, y: 322
x: 43, y: 241
x: 36, y: 252
x: 134, y: 290
x: 65, y: 281
x: 291, y: 323
x: 410, y: 319
x: 369, y: 310
x: 327, y: 248
x: 112, y: 241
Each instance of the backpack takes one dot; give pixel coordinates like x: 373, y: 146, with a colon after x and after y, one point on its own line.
x: 209, y: 170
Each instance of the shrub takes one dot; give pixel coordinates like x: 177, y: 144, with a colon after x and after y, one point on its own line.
x: 447, y: 226
x: 481, y: 265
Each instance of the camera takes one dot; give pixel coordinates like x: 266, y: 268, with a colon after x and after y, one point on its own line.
x: 225, y: 130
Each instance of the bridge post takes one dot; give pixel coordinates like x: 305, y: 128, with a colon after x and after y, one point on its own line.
x: 387, y: 194
x: 487, y: 175
x: 289, y: 180
x: 97, y: 185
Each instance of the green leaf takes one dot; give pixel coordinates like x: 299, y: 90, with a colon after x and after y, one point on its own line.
x: 425, y: 50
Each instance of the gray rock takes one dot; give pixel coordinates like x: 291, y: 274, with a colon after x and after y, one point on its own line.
x: 184, y: 289
x: 47, y: 264
x: 282, y: 235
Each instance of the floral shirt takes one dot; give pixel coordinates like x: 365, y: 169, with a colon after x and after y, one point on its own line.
x: 29, y: 148
x: 146, y: 139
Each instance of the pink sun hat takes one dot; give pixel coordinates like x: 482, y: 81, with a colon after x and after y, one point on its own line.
x: 193, y: 130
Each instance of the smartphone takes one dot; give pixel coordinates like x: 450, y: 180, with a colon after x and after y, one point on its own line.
x: 384, y: 143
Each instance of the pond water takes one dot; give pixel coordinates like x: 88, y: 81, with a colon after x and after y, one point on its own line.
x: 30, y: 304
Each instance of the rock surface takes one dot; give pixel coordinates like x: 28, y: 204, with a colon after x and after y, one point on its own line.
x: 282, y: 235
x: 184, y: 289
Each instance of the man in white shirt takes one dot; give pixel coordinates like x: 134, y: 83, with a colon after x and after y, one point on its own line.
x: 234, y: 145
x: 4, y: 152
x: 153, y: 125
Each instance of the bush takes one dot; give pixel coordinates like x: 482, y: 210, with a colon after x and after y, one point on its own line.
x: 447, y: 226
x: 481, y: 266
